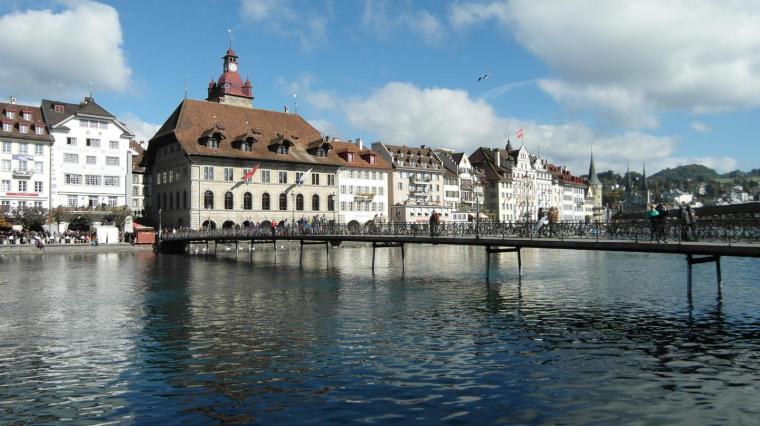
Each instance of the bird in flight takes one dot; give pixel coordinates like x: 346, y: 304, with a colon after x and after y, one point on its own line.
x: 482, y: 77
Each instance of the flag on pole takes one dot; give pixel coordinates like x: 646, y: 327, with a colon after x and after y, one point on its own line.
x: 519, y: 134
x: 251, y: 172
x: 302, y: 179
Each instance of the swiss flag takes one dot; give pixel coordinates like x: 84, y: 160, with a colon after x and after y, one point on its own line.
x: 251, y: 172
x: 519, y: 134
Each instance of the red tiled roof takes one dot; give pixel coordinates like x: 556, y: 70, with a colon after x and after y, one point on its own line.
x: 36, y: 121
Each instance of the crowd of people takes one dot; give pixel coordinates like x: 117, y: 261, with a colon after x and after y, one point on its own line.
x: 42, y: 238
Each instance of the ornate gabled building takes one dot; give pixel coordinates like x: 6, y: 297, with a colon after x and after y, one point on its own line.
x: 25, y: 147
x: 223, y: 163
x: 416, y: 184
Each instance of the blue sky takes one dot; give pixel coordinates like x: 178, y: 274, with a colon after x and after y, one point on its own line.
x: 662, y: 83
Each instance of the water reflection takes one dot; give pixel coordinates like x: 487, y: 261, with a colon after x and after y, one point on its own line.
x: 579, y: 338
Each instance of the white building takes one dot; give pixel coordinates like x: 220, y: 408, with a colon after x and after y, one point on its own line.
x: 91, y: 160
x: 139, y: 180
x: 677, y: 196
x: 24, y: 157
x: 363, y: 183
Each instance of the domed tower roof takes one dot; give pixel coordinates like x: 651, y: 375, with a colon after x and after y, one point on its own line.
x: 230, y: 88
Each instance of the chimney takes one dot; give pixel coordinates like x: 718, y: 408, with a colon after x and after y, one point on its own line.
x: 498, y: 157
x: 13, y: 100
x: 360, y: 143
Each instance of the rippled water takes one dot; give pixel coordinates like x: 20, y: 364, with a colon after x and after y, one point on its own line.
x: 582, y: 338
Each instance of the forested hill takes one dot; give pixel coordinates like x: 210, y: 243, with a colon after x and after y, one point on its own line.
x: 692, y: 172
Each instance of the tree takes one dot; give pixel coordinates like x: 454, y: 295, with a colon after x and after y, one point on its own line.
x: 118, y: 215
x: 4, y: 222
x: 31, y: 218
x: 80, y: 223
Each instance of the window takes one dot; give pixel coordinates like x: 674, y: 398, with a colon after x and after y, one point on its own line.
x: 350, y: 206
x: 374, y: 206
x: 37, y: 186
x: 315, y: 178
x: 299, y: 202
x: 330, y: 180
x: 58, y: 108
x: 6, y: 186
x: 38, y: 167
x: 22, y: 186
x: 91, y: 159
x: 71, y: 141
x: 135, y: 191
x: 103, y: 125
x: 26, y: 116
x: 331, y: 203
x: 400, y: 185
x: 343, y: 206
x: 282, y: 177
x: 245, y: 146
x: 228, y: 174
x: 93, y: 143
x: 228, y: 199
x: 22, y: 165
x: 112, y: 161
x: 23, y: 128
x: 39, y: 149
x: 283, y: 202
x: 282, y: 149
x: 10, y: 115
x: 349, y: 157
x: 265, y: 201
x: 380, y: 190
x: 39, y: 130
x: 247, y: 201
x: 208, y: 173
x: 92, y: 180
x: 113, y: 144
x: 38, y: 204
x: 136, y: 178
x: 351, y: 174
x: 265, y: 176
x: 23, y: 148
x: 208, y: 200
x: 73, y: 179
x: 111, y: 180
x: 320, y: 152
x: 70, y: 158
x: 299, y: 177
x: 6, y: 147
x: 315, y: 202
x: 5, y: 166
x: 212, y: 143
x: 112, y: 201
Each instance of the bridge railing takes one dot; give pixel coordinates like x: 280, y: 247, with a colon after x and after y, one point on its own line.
x: 640, y: 230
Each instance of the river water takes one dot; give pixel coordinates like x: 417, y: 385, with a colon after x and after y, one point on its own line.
x: 581, y: 338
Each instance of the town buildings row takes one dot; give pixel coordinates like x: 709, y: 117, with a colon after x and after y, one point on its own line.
x: 63, y: 154
x: 220, y: 162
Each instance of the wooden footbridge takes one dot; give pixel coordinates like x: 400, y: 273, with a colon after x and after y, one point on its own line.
x: 705, y: 241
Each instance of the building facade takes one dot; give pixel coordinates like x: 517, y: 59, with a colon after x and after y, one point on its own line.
x: 363, y: 181
x: 91, y: 160
x: 416, y: 184
x: 25, y: 146
x: 222, y: 163
x: 139, y: 183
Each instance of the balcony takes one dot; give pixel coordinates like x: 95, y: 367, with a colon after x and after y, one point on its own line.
x: 419, y: 180
x: 26, y: 173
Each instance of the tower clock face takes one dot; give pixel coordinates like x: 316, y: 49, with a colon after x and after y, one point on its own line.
x: 233, y: 67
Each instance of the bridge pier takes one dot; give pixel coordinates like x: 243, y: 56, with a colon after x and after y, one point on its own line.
x: 375, y: 245
x: 691, y: 260
x: 495, y: 250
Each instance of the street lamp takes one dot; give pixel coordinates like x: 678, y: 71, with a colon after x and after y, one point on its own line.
x: 159, y: 224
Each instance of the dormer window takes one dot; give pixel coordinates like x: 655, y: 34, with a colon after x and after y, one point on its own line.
x: 39, y: 130
x: 26, y: 116
x: 212, y: 142
x: 350, y: 157
x: 10, y: 114
x: 320, y: 152
x: 57, y: 107
x: 23, y: 128
x: 371, y: 159
x: 7, y: 127
x: 282, y: 149
x: 245, y: 146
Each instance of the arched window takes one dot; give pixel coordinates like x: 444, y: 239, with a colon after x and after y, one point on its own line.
x: 283, y: 202
x: 265, y: 201
x: 208, y: 200
x: 315, y: 202
x: 299, y: 202
x: 331, y: 203
x: 247, y: 201
x: 228, y: 200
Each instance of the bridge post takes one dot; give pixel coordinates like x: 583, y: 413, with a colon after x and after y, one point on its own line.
x: 717, y: 271
x: 374, y: 245
x: 488, y: 263
x: 519, y: 262
x: 236, y: 249
x: 300, y: 257
x: 216, y: 244
x: 403, y: 259
x: 250, y: 250
x: 689, y: 262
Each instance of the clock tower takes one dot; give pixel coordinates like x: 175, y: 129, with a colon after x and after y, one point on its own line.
x: 230, y: 89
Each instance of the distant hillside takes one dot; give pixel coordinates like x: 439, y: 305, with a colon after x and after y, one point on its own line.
x: 692, y: 172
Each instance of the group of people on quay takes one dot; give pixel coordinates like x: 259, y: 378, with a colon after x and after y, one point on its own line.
x: 42, y: 238
x: 658, y: 222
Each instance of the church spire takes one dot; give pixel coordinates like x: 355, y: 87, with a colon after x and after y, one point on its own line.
x: 593, y: 179
x: 628, y: 185
x: 644, y: 185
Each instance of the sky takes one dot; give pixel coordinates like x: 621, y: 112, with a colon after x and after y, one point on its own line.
x: 645, y: 82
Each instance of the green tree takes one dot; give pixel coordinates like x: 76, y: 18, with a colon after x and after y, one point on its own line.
x: 31, y: 218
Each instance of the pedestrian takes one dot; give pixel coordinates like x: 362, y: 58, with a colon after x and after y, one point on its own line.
x: 543, y: 219
x: 433, y: 223
x: 652, y: 214
x: 661, y: 219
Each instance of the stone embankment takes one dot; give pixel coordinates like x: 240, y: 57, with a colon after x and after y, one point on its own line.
x: 9, y: 249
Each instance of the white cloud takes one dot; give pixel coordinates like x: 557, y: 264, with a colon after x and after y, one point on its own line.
x: 422, y: 23
x: 700, y: 127
x: 326, y: 127
x: 308, y: 26
x: 143, y: 130
x: 404, y: 114
x: 631, y: 61
x: 56, y: 54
